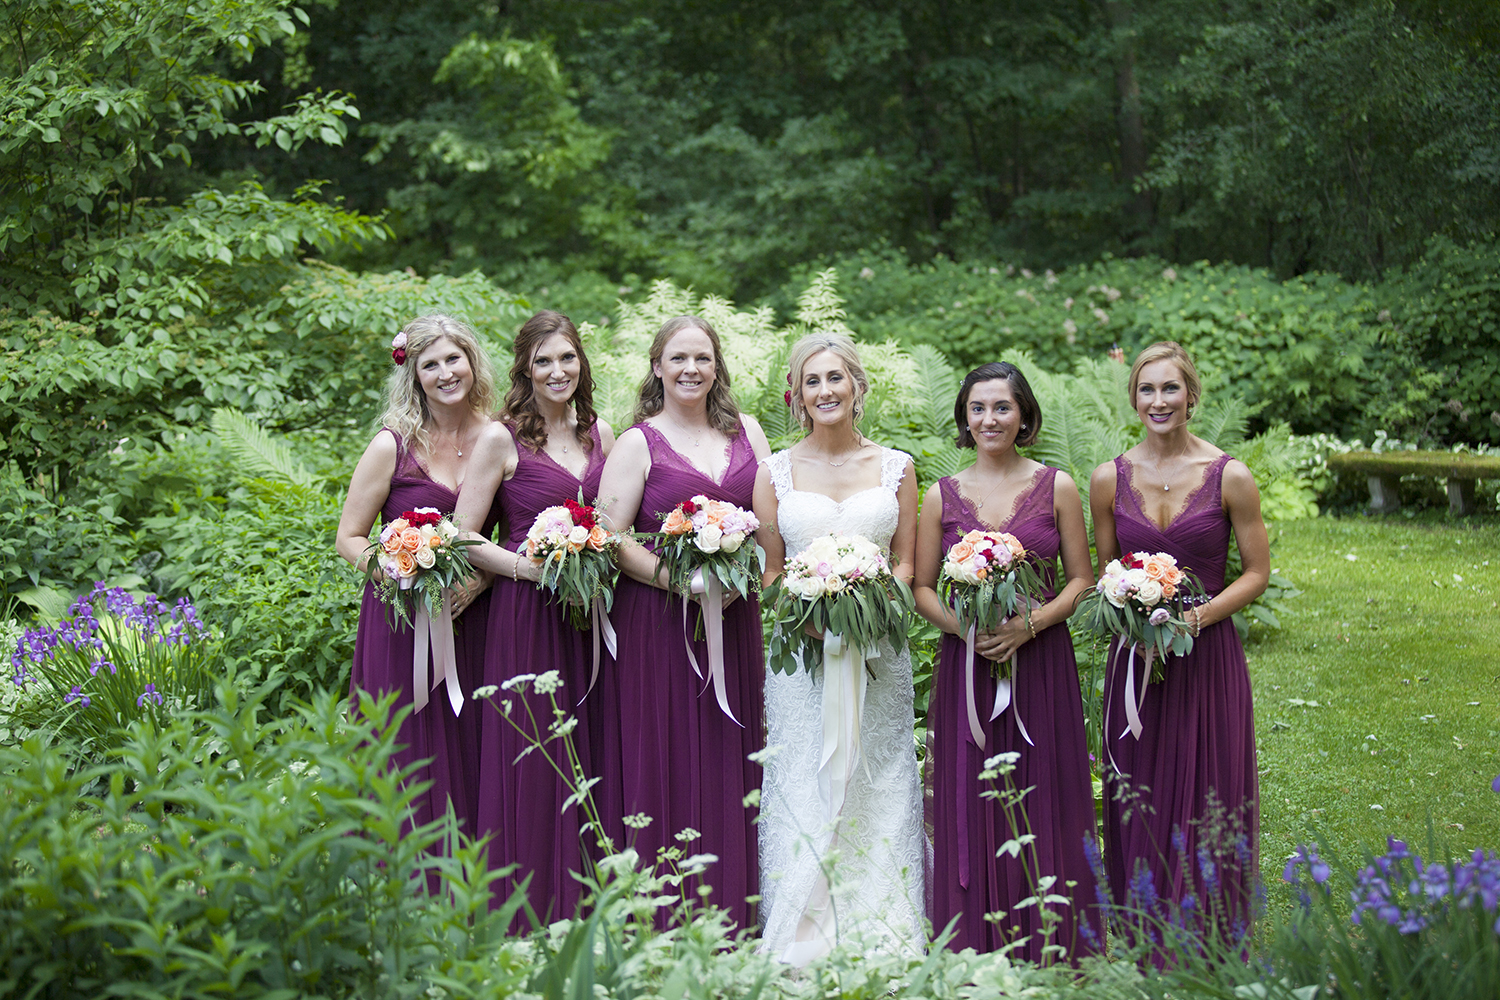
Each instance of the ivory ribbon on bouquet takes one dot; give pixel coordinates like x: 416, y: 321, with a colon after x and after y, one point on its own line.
x: 713, y: 631
x: 1134, y: 702
x: 844, y: 683
x: 444, y: 659
x: 1004, y: 691
x: 602, y: 626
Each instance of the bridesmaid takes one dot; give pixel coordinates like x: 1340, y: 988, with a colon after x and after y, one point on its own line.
x: 1004, y: 491
x: 438, y: 401
x: 667, y: 750
x: 1181, y: 803
x: 550, y: 448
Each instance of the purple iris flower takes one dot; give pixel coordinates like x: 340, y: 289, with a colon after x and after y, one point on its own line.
x: 149, y: 693
x: 77, y: 695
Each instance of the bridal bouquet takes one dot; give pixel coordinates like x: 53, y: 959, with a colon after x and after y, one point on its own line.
x: 1142, y: 598
x: 709, y: 536
x: 576, y: 554
x: 417, y: 556
x: 986, y: 578
x: 842, y: 586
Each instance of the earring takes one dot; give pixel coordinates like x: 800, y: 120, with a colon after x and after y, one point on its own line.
x: 1023, y: 427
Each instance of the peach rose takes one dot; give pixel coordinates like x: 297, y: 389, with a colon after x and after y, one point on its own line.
x: 392, y: 543
x: 973, y: 537
x: 597, y: 537
x: 435, y: 541
x: 962, y: 551
x: 1174, y: 577
x: 1158, y: 567
x: 676, y: 523
x: 983, y: 573
x: 399, y: 525
x: 411, y: 539
x: 1014, y: 544
x: 1168, y: 591
x: 406, y: 564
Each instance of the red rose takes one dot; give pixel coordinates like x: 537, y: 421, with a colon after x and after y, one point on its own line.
x: 788, y: 397
x: 689, y: 508
x: 398, y: 355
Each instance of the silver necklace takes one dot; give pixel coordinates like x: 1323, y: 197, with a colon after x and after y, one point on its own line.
x: 839, y: 465
x: 1166, y: 486
x: 686, y: 433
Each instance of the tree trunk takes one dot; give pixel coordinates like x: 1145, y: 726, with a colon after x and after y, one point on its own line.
x: 1128, y: 122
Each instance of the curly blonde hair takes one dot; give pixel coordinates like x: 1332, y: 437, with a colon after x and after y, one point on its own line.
x: 723, y: 412
x: 406, y: 410
x: 843, y: 348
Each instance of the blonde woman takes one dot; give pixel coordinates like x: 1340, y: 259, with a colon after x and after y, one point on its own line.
x: 841, y: 843
x: 1181, y: 804
x: 439, y: 398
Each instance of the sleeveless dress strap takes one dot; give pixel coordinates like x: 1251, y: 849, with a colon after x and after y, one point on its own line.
x: 779, y: 466
x: 892, y: 467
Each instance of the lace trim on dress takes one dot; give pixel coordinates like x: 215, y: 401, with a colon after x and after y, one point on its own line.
x: 1208, y: 493
x: 1023, y: 502
x: 662, y: 453
x: 779, y: 466
x: 892, y: 467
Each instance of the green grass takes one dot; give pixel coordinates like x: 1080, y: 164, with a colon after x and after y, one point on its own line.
x: 1383, y: 690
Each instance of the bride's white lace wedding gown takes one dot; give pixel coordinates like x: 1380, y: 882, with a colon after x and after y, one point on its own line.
x: 855, y: 876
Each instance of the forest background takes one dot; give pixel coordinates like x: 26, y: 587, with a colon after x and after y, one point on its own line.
x: 214, y: 214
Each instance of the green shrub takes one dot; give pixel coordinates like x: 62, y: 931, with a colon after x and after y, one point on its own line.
x: 1445, y: 311
x: 228, y: 855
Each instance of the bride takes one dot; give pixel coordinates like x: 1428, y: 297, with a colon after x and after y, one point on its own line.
x: 841, y: 854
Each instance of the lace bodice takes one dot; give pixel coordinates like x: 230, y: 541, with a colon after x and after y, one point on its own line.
x: 803, y: 517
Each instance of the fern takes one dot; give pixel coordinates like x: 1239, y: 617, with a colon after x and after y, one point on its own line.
x: 820, y: 307
x: 1223, y: 421
x: 258, y: 453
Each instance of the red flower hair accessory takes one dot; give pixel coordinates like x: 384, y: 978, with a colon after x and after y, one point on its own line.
x: 398, y: 348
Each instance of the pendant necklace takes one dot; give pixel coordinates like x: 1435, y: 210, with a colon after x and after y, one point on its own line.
x: 839, y: 465
x: 1166, y: 486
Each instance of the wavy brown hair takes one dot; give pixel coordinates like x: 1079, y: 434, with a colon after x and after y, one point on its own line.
x: 1031, y: 411
x: 520, y: 399
x: 406, y: 410
x: 723, y: 412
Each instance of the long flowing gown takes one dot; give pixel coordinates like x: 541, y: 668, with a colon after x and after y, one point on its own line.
x: 383, y: 664
x: 1193, y: 767
x: 850, y: 875
x: 969, y: 880
x: 521, y: 798
x: 666, y: 749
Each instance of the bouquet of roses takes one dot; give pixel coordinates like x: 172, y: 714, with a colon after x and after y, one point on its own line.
x: 840, y: 585
x: 576, y: 554
x: 418, y: 554
x: 986, y: 578
x: 1142, y: 597
x: 709, y: 536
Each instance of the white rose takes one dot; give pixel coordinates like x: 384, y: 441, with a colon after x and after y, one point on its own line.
x: 425, y: 557
x: 835, y: 584
x: 1149, y: 593
x: 428, y: 532
x: 1115, y: 568
x: 709, y: 538
x: 1135, y: 577
x: 1111, y: 589
x: 732, y: 541
x: 813, y: 588
x: 578, y: 535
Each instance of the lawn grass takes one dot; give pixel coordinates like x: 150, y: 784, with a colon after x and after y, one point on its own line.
x: 1377, y: 705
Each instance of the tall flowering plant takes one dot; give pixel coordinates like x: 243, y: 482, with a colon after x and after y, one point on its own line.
x: 1142, y: 597
x: 113, y: 659
x: 417, y: 556
x: 709, y: 536
x: 985, y: 578
x: 839, y: 585
x: 576, y: 554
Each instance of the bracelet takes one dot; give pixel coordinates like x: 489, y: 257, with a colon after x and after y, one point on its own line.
x: 515, y: 569
x: 1197, y: 620
x: 1031, y: 625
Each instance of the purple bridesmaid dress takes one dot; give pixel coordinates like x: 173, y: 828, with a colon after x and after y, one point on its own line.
x: 383, y: 664
x: 520, y: 801
x: 968, y: 879
x: 1198, y: 741
x: 667, y: 750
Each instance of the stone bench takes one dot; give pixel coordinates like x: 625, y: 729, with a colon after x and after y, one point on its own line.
x: 1385, y: 469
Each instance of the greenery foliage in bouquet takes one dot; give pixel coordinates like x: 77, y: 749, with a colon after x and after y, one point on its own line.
x: 986, y: 577
x: 418, y: 555
x: 710, y: 535
x: 1143, y: 597
x: 839, y: 585
x: 576, y: 554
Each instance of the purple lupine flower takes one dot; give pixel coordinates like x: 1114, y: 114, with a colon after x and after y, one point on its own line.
x: 77, y: 695
x: 1208, y: 870
x: 1096, y: 865
x: 1141, y: 894
x: 1179, y: 842
x: 149, y: 693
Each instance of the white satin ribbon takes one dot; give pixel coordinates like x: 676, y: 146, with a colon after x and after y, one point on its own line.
x: 844, y: 683
x: 1005, y: 690
x: 444, y: 657
x: 713, y: 632
x: 1133, y: 702
x: 602, y: 626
